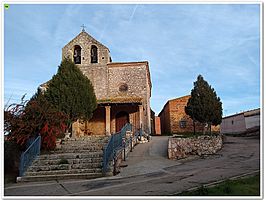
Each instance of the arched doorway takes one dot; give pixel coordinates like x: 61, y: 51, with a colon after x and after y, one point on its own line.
x: 121, y: 119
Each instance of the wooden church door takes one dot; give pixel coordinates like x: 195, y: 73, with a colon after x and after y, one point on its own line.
x: 121, y: 119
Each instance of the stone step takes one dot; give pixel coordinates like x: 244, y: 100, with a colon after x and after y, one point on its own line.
x: 37, y: 168
x: 88, y: 144
x: 64, y: 167
x: 70, y: 161
x: 59, y: 177
x: 77, y: 155
x: 75, y: 150
x: 92, y: 139
x: 63, y: 171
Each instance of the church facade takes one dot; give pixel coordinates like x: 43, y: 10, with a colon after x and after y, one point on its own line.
x: 122, y: 89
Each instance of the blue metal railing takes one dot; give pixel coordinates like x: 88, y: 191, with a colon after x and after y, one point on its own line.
x: 114, y: 143
x: 137, y: 133
x: 29, y: 155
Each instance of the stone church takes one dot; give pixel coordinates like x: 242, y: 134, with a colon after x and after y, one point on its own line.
x: 123, y: 89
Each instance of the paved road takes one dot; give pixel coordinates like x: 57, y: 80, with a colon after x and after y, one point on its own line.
x: 150, y: 173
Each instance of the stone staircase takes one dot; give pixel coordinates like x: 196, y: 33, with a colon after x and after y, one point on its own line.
x: 79, y: 158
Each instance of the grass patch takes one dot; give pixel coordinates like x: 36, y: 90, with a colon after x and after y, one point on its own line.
x: 249, y: 186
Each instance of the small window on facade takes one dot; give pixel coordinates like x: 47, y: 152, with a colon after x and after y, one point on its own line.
x: 123, y: 87
x: 94, y: 54
x: 182, y: 124
x: 77, y: 54
x: 232, y: 122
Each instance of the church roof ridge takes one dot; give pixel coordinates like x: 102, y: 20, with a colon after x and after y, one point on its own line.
x: 90, y: 36
x: 119, y: 63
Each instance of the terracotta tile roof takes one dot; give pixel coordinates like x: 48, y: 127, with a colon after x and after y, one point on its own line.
x: 120, y: 100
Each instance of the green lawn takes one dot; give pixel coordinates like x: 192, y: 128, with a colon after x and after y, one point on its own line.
x: 249, y: 186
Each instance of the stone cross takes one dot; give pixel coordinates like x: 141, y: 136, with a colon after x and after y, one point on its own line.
x: 83, y: 27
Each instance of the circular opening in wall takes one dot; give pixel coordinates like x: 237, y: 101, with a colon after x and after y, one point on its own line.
x: 123, y: 87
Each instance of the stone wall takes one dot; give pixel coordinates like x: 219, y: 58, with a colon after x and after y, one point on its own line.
x: 108, y: 78
x: 179, y: 148
x: 85, y: 41
x: 134, y: 75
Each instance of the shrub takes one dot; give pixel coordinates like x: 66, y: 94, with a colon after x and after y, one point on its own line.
x: 11, y: 159
x: 37, y: 116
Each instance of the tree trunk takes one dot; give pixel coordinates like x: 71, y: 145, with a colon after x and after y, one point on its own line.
x: 210, y: 125
x: 204, y: 129
x: 194, y: 128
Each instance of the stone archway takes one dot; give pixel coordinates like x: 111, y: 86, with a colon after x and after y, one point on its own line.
x: 121, y: 119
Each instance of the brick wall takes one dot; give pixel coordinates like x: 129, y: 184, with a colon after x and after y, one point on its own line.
x: 175, y: 120
x: 165, y: 120
x: 157, y: 125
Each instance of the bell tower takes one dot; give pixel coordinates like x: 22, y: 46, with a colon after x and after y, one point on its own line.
x: 85, y: 50
x: 92, y: 58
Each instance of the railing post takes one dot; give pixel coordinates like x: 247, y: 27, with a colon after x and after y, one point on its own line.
x: 130, y: 144
x: 124, y: 145
x: 125, y: 153
x: 39, y: 145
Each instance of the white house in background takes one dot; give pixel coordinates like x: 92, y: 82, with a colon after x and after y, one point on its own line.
x: 240, y: 123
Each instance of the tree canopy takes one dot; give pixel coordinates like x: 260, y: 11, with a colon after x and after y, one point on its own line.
x: 71, y: 92
x: 204, y: 105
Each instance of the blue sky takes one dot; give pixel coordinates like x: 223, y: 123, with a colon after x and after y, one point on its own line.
x: 219, y: 41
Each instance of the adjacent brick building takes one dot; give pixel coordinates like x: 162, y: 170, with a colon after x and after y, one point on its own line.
x: 241, y: 122
x: 174, y: 119
x: 157, y: 125
x: 123, y: 89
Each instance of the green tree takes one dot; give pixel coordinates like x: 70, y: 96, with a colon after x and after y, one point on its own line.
x: 71, y: 92
x: 204, y: 105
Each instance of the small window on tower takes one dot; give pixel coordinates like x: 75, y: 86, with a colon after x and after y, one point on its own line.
x: 77, y: 54
x: 94, y: 54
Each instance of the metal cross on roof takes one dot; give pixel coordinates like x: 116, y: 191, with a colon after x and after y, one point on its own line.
x: 83, y: 27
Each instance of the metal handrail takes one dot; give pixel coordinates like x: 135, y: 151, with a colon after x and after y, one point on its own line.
x: 29, y: 155
x: 114, y: 143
